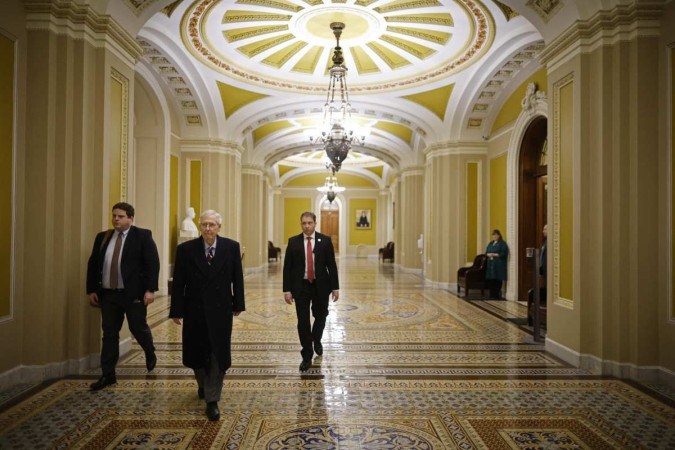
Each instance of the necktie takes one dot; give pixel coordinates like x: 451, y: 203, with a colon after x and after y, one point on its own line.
x: 114, y: 264
x: 310, y: 260
x: 209, y: 256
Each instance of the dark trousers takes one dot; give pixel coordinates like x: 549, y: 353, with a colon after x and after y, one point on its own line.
x: 210, y: 379
x: 308, y: 333
x: 496, y: 289
x: 114, y: 306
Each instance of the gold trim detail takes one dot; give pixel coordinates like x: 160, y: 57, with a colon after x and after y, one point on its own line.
x: 557, y: 86
x: 124, y: 151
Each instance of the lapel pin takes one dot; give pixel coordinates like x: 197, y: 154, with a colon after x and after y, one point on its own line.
x: 318, y: 240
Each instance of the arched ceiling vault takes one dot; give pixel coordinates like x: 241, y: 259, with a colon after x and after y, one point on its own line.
x: 419, y: 71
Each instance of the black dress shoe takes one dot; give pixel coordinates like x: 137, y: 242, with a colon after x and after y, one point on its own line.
x: 150, y: 361
x: 102, y: 382
x: 305, y: 365
x: 200, y: 393
x: 318, y: 348
x: 212, y: 411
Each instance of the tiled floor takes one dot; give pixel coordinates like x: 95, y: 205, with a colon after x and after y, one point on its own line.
x: 405, y: 367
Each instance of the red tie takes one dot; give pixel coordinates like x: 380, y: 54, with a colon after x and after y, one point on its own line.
x: 310, y: 260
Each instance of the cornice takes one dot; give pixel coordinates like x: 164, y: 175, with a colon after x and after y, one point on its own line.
x: 66, y: 17
x: 622, y: 23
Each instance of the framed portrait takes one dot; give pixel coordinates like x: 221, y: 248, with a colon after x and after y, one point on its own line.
x: 363, y: 219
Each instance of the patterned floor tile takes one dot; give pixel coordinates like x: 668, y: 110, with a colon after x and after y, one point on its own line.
x: 404, y: 367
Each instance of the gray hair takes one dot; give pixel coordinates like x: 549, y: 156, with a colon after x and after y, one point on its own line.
x: 212, y: 213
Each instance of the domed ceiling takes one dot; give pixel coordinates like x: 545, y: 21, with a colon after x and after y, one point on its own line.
x: 387, y: 44
x: 420, y: 72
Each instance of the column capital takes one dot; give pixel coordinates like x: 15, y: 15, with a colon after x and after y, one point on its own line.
x: 455, y: 148
x: 211, y: 146
x: 411, y: 171
x: 252, y: 169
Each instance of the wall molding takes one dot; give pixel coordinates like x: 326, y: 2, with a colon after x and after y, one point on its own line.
x: 599, y: 366
x: 40, y: 373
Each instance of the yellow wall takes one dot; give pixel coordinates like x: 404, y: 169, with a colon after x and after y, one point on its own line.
x: 566, y: 268
x: 6, y: 173
x: 173, y: 207
x: 115, y: 156
x: 293, y: 207
x: 318, y: 179
x: 672, y: 183
x: 359, y: 236
x: 497, y: 195
x: 196, y: 188
x: 471, y: 210
x: 512, y: 107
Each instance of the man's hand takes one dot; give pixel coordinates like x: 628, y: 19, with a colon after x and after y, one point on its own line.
x: 177, y: 320
x: 93, y: 299
x: 336, y: 295
x: 148, y: 298
x: 236, y: 313
x: 288, y: 298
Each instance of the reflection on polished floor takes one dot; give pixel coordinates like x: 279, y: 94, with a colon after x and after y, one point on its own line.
x: 404, y: 367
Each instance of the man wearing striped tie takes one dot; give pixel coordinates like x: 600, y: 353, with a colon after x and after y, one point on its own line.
x: 208, y: 290
x: 122, y: 277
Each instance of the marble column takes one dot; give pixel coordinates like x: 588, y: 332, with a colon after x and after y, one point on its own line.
x: 411, y: 223
x: 253, y: 216
x: 607, y: 302
x: 77, y: 82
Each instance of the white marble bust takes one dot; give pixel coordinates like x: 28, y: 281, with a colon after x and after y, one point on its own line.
x: 188, y: 227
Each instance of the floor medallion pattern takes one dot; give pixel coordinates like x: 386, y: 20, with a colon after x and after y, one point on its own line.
x: 404, y: 367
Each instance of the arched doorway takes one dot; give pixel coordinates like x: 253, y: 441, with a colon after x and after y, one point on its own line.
x: 532, y: 185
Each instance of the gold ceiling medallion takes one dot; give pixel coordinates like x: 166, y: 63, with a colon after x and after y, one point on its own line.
x: 387, y: 44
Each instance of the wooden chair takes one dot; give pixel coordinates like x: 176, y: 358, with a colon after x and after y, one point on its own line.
x: 387, y: 252
x: 473, y: 277
x: 273, y: 252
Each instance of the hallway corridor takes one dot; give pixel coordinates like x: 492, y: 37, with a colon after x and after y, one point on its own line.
x: 404, y: 367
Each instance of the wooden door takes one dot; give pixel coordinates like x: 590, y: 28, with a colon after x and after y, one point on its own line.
x: 531, y: 201
x: 330, y: 225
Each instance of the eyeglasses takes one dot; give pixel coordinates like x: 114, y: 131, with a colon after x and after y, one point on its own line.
x: 208, y: 225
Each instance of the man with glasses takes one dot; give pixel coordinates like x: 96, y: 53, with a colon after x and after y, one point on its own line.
x: 208, y: 290
x: 122, y: 276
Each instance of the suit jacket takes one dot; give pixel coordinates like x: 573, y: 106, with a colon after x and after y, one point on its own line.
x: 139, y: 263
x: 325, y: 268
x: 205, y: 296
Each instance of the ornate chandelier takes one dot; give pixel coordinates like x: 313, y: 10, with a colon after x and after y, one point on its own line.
x: 337, y: 134
x: 330, y: 188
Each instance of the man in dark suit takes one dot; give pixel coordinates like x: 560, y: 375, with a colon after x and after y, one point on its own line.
x: 310, y: 277
x: 122, y: 278
x: 208, y: 290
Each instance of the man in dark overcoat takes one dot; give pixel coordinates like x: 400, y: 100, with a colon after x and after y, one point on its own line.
x: 207, y: 291
x: 310, y: 277
x: 122, y: 277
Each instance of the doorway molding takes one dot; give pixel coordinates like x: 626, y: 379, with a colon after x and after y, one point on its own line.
x: 535, y: 106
